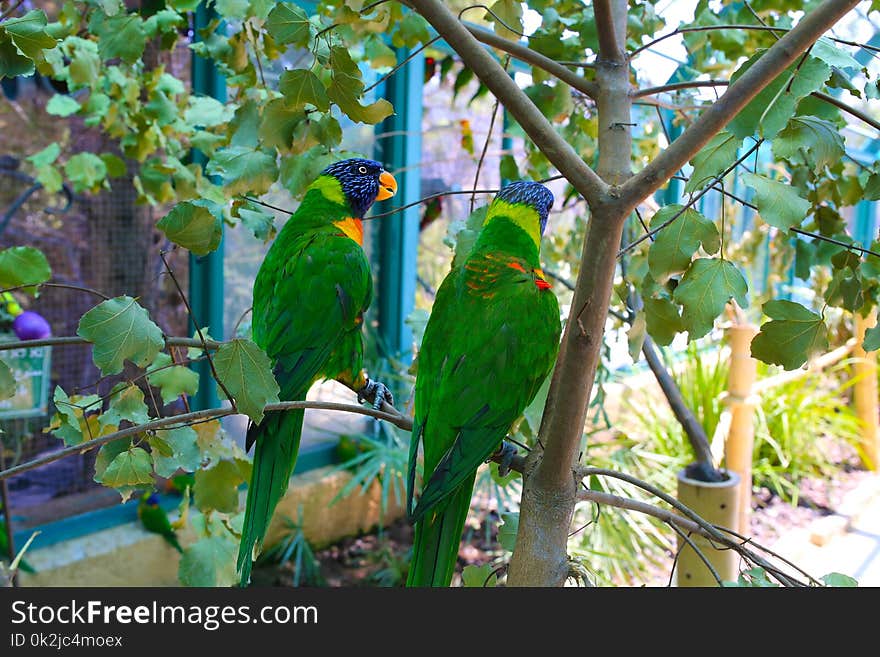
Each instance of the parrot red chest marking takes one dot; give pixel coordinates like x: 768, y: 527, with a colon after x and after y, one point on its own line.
x: 353, y: 228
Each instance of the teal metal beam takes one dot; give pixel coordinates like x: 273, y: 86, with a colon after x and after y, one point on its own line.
x: 206, y: 272
x: 399, y: 147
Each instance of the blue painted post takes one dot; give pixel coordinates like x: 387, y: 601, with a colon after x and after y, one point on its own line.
x: 206, y: 272
x: 397, y: 240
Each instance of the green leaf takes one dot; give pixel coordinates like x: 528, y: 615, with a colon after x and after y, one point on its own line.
x: 23, y: 265
x: 115, y: 165
x: 130, y: 469
x: 208, y: 562
x: 68, y: 422
x: 217, y: 487
x: 122, y: 36
x: 464, y: 234
x: 232, y: 8
x: 713, y: 158
x: 507, y: 531
x: 833, y: 55
x: 479, y: 576
x: 246, y: 371
x: 704, y: 291
x: 807, y: 139
x: 370, y: 114
x: 804, y: 256
x: 663, y: 320
x: 300, y: 171
x: 60, y: 105
x: 378, y: 53
x: 778, y: 203
x: 12, y: 62
x: 839, y: 579
x: 193, y: 226
x: 179, y: 450
x: 301, y: 87
x: 506, y: 17
x: 120, y: 330
x: 127, y: 403
x: 244, y: 170
x: 172, y: 380
x: 208, y: 112
x: 289, y: 25
x: 7, y: 381
x: 29, y: 35
x: 872, y: 339
x: 675, y: 245
x: 86, y: 171
x: 260, y: 223
x: 872, y: 187
x: 768, y: 112
x: 279, y: 123
x: 107, y: 454
x: 411, y: 30
x: 794, y: 334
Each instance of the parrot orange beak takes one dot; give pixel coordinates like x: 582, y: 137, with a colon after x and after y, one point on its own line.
x: 387, y: 186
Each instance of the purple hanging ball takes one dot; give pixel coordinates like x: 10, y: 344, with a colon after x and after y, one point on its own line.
x: 31, y: 326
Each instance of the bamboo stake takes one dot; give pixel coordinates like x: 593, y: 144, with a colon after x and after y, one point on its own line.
x: 865, y: 390
x: 740, y: 399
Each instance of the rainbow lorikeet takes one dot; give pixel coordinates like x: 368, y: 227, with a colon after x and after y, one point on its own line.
x: 490, y: 342
x: 154, y: 519
x: 310, y: 294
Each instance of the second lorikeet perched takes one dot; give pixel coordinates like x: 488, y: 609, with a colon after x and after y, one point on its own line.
x: 489, y: 344
x: 154, y: 519
x: 310, y: 295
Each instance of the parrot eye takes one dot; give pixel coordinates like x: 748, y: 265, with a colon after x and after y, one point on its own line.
x: 362, y: 169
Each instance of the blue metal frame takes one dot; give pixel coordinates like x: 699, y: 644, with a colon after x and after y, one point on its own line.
x: 206, y: 272
x: 396, y: 238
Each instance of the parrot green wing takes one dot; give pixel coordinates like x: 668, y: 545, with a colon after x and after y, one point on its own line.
x: 309, y: 297
x: 488, y: 317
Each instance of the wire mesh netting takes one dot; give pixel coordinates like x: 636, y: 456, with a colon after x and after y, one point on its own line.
x: 106, y: 242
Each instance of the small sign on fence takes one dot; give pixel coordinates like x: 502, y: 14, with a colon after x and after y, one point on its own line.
x: 31, y: 370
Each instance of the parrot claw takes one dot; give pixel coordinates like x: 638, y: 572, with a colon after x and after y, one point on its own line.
x: 505, y: 456
x: 377, y: 392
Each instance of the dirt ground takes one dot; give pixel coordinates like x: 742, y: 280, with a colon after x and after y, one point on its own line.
x: 380, y: 558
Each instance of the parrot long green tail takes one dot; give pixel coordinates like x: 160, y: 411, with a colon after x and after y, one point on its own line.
x: 437, y: 539
x: 276, y: 441
x: 172, y: 540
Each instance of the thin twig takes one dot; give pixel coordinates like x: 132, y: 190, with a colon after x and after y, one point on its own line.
x: 629, y: 247
x: 66, y: 286
x: 76, y: 340
x: 699, y: 553
x: 712, y: 28
x: 11, y: 10
x: 195, y: 321
x: 831, y: 240
x: 486, y: 143
x: 186, y: 419
x: 399, y: 66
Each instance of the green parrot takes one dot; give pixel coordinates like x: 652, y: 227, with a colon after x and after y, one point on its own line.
x: 310, y: 296
x: 154, y: 519
x: 489, y: 344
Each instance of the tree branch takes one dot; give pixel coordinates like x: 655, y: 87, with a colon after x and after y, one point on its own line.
x: 395, y: 418
x: 777, y: 58
x: 526, y: 54
x: 609, y: 45
x: 521, y: 108
x: 712, y: 532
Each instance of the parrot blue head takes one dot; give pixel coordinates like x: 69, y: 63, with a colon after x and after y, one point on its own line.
x: 152, y: 500
x: 532, y: 194
x: 363, y: 182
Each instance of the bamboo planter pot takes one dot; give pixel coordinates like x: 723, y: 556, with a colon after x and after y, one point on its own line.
x: 718, y: 503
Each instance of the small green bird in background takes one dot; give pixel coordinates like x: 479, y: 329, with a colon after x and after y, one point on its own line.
x: 154, y: 519
x: 23, y: 565
x: 310, y: 295
x: 490, y: 342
